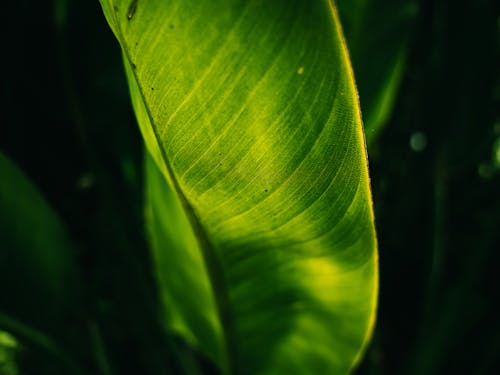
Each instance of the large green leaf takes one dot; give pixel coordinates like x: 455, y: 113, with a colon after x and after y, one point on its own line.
x: 250, y: 111
x: 378, y: 33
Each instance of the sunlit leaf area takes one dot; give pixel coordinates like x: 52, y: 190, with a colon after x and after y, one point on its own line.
x: 242, y: 187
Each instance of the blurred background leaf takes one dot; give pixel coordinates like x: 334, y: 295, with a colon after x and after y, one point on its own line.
x: 39, y: 281
x: 378, y: 33
x: 38, y: 271
x: 8, y: 348
x: 436, y: 199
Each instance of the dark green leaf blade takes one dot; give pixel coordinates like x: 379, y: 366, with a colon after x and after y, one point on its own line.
x: 378, y: 33
x: 250, y: 110
x: 39, y: 281
x: 37, y: 265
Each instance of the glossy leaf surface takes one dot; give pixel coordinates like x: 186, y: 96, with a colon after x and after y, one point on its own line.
x: 250, y: 111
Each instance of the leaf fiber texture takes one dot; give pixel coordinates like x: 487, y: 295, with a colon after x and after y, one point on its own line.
x: 250, y: 113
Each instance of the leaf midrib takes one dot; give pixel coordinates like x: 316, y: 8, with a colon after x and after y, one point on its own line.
x: 210, y: 261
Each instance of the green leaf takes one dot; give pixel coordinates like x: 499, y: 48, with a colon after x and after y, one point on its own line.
x: 37, y: 265
x: 179, y: 263
x: 378, y: 33
x: 8, y: 348
x: 249, y: 109
x: 38, y: 274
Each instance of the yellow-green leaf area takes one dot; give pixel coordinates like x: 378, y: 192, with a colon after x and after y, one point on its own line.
x: 250, y: 111
x: 179, y: 264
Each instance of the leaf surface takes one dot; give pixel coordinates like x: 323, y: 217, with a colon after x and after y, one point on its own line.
x: 250, y: 112
x: 185, y: 290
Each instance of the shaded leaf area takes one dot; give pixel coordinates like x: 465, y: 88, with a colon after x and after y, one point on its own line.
x: 39, y: 281
x: 255, y: 123
x: 436, y: 183
x: 85, y: 155
x: 378, y: 33
x: 188, y: 302
x: 35, y: 243
x: 8, y: 348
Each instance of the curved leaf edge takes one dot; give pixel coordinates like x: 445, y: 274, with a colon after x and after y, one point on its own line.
x: 210, y: 259
x: 366, y: 178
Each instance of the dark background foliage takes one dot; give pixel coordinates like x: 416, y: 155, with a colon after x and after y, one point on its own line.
x: 435, y: 169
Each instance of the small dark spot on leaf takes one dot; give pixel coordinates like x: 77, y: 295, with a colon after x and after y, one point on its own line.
x: 171, y: 26
x: 265, y: 190
x: 116, y: 8
x: 152, y: 89
x: 133, y: 66
x: 131, y: 9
